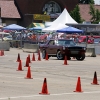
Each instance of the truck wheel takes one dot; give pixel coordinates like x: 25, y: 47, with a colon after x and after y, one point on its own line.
x: 82, y: 57
x: 59, y: 55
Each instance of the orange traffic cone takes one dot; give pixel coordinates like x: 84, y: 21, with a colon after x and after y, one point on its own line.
x: 46, y: 58
x: 20, y: 66
x: 33, y: 57
x: 95, y: 81
x: 39, y: 58
x: 28, y: 73
x: 44, y: 87
x: 18, y: 58
x: 1, y: 53
x: 65, y: 61
x: 29, y: 58
x: 27, y: 62
x: 78, y: 87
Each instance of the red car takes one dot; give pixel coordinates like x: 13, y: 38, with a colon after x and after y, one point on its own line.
x: 61, y: 47
x: 89, y: 41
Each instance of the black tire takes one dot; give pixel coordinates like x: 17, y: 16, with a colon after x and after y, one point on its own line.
x: 59, y: 55
x: 43, y: 54
x: 80, y: 58
x: 68, y: 58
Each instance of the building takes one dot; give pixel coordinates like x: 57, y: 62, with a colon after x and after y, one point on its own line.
x: 24, y: 12
x: 87, y: 26
x: 8, y: 13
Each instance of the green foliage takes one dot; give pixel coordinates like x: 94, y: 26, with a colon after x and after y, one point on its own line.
x: 75, y: 14
x: 92, y: 13
x: 95, y: 13
x: 86, y: 1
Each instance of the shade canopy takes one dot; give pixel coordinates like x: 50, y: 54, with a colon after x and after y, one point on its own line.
x: 14, y: 27
x: 36, y: 25
x: 54, y: 27
x: 70, y: 30
x: 64, y: 18
x: 36, y: 28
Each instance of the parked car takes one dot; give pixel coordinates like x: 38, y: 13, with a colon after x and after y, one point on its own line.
x: 3, y: 35
x: 61, y: 47
x: 90, y: 39
x: 7, y: 38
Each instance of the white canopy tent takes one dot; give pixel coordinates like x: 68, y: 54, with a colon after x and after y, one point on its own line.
x: 63, y: 19
x: 47, y: 24
x: 54, y: 28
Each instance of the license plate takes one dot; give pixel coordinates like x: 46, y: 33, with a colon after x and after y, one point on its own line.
x: 74, y: 52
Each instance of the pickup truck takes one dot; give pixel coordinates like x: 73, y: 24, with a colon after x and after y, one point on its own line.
x: 61, y: 47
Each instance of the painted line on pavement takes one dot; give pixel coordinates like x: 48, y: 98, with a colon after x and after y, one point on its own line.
x: 6, y: 98
x: 19, y: 77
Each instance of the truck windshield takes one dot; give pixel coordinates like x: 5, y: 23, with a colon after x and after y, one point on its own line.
x: 65, y: 42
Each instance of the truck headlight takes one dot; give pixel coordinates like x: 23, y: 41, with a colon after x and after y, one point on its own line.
x: 84, y: 48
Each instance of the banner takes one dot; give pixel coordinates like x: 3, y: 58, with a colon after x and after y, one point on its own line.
x: 41, y: 17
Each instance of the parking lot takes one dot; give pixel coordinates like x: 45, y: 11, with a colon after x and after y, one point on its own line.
x: 61, y: 79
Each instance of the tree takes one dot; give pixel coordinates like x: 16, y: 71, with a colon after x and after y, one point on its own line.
x: 95, y: 13
x: 92, y: 13
x: 86, y: 1
x: 75, y: 14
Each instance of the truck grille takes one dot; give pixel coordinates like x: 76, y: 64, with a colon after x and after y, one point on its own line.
x: 75, y: 48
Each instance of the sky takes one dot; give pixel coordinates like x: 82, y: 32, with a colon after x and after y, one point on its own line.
x: 97, y: 2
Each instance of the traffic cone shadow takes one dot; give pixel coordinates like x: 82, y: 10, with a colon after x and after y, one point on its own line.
x: 29, y: 73
x: 39, y: 57
x: 20, y: 66
x: 18, y: 58
x: 46, y: 58
x: 95, y: 81
x: 33, y: 57
x: 78, y: 86
x: 44, y: 88
x: 65, y: 61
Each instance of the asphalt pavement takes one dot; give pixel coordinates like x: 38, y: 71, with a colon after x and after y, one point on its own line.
x: 61, y: 79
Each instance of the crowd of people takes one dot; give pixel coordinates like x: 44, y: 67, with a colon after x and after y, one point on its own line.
x: 28, y: 36
x: 40, y: 36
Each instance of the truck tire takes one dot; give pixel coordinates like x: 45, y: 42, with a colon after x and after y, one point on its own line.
x: 80, y: 58
x: 59, y: 55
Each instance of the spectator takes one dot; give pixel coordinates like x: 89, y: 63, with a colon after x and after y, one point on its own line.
x: 92, y: 39
x: 49, y: 36
x: 71, y: 38
x: 76, y: 39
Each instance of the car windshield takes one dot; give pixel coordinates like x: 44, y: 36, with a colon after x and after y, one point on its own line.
x: 65, y: 42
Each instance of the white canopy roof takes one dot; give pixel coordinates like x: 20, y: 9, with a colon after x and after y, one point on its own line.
x: 63, y: 19
x: 54, y: 28
x: 47, y: 24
